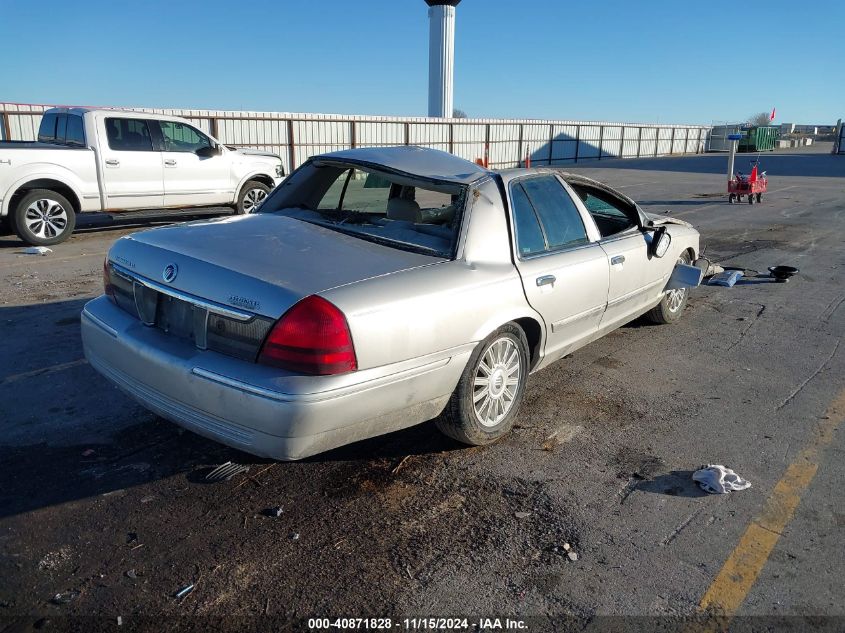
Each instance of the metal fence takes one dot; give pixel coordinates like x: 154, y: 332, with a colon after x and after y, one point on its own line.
x: 502, y: 142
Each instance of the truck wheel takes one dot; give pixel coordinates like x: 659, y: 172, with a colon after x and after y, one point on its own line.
x: 252, y: 194
x: 486, y: 401
x: 672, y: 304
x: 43, y: 217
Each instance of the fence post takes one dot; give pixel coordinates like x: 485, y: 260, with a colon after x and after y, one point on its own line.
x: 622, y: 142
x: 486, y: 146
x: 353, y: 134
x: 639, y: 141
x: 6, y: 127
x: 291, y: 146
x: 551, y: 141
x: 656, y: 140
x: 519, y: 151
x: 451, y: 138
x: 601, y: 140
x: 407, y: 133
x: 577, y: 141
x: 672, y: 142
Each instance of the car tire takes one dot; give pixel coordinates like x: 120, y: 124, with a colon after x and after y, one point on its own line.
x: 672, y: 304
x: 480, y: 414
x: 43, y: 217
x: 251, y: 195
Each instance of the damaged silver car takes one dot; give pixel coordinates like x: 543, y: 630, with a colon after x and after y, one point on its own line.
x: 373, y: 290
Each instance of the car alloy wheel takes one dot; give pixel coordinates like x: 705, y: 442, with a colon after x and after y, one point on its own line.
x: 252, y: 199
x: 496, y: 381
x: 45, y: 218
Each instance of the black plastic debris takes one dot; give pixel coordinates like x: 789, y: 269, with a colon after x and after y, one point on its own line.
x: 274, y: 512
x: 224, y: 472
x: 782, y: 273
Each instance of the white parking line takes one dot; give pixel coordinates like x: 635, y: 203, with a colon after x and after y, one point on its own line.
x: 638, y: 184
x: 44, y: 370
x: 47, y: 259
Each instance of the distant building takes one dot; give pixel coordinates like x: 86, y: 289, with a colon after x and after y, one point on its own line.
x: 815, y: 130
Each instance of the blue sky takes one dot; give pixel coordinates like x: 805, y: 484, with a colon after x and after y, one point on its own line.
x: 632, y: 60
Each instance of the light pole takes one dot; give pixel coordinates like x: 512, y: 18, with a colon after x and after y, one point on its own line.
x: 441, y: 56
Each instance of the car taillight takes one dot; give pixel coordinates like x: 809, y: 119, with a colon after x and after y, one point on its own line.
x: 312, y: 338
x: 108, y: 289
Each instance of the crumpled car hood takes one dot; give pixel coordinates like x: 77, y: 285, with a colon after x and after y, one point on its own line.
x: 659, y: 220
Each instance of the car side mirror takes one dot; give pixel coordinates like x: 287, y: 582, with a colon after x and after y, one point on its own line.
x: 660, y: 243
x: 208, y: 151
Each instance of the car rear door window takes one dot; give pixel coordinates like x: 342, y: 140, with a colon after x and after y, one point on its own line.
x: 558, y: 215
x: 129, y: 135
x: 529, y: 235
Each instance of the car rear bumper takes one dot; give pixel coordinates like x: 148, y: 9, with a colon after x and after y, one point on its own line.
x: 262, y: 410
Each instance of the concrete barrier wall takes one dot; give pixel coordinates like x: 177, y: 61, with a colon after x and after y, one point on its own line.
x: 295, y: 137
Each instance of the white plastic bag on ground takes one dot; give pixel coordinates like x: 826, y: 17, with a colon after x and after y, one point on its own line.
x: 718, y: 480
x: 36, y: 250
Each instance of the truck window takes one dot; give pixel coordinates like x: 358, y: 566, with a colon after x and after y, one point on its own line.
x: 47, y: 129
x: 129, y: 135
x: 75, y: 134
x: 558, y: 215
x: 179, y: 137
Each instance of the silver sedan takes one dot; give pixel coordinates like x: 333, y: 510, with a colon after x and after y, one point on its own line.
x: 375, y: 289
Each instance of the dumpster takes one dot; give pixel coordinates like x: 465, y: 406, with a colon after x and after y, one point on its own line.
x: 759, y: 139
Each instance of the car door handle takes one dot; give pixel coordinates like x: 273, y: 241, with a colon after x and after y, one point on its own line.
x: 170, y: 163
x: 113, y: 162
x: 546, y: 280
x: 617, y: 259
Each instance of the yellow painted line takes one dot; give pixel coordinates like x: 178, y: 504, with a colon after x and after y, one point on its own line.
x: 40, y: 372
x: 731, y: 586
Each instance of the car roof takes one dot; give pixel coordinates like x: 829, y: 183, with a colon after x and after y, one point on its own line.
x: 422, y: 162
x: 116, y: 112
x: 568, y: 177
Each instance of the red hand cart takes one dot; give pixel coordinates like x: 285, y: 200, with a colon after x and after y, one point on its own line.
x: 753, y: 187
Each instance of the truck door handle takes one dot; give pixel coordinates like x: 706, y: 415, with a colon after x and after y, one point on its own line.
x: 170, y: 163
x: 113, y: 162
x: 546, y: 280
x: 618, y: 259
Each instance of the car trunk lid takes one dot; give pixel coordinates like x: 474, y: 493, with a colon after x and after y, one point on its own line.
x: 223, y: 283
x: 261, y: 263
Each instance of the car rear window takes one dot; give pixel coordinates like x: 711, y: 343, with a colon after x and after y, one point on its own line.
x: 62, y: 129
x: 396, y: 211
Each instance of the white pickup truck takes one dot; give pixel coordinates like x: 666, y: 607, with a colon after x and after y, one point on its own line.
x: 107, y: 160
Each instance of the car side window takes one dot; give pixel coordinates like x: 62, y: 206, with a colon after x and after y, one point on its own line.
x: 610, y: 215
x: 179, y: 137
x: 129, y: 135
x: 559, y: 217
x: 529, y: 235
